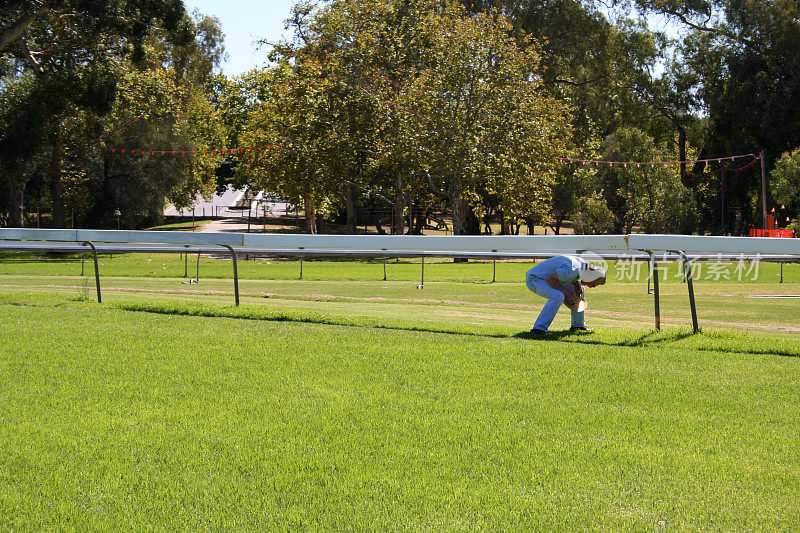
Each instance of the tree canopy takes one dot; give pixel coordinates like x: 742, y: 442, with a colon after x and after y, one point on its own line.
x: 83, y: 74
x: 408, y: 106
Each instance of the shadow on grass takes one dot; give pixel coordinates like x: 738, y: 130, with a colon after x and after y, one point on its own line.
x: 654, y: 338
x: 646, y: 339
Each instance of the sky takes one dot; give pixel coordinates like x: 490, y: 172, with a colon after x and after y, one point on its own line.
x: 244, y: 23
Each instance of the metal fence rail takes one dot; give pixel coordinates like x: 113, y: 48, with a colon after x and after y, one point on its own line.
x: 638, y: 247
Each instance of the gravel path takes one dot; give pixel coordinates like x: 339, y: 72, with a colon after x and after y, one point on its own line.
x: 231, y: 225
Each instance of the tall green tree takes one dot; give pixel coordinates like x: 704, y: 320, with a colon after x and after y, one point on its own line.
x: 289, y: 128
x: 482, y: 122
x: 376, y: 50
x: 786, y: 181
x: 152, y: 113
x: 737, y: 65
x: 63, y: 55
x: 647, y: 197
x: 408, y: 97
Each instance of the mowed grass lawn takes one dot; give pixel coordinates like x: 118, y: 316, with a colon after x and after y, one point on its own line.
x: 361, y: 405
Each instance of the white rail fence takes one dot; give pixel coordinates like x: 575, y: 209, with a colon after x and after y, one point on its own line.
x: 117, y: 241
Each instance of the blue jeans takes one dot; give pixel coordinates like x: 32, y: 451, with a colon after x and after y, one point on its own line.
x: 554, y: 300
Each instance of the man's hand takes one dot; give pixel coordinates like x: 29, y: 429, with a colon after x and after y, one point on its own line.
x: 569, y: 298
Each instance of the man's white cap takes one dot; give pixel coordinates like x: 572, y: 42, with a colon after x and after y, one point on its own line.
x: 592, y: 273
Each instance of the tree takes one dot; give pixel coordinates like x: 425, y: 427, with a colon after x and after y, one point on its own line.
x: 375, y: 50
x: 434, y: 98
x: 604, y: 66
x: 39, y: 32
x: 573, y: 185
x: 286, y: 126
x: 153, y: 112
x: 786, y: 180
x: 644, y: 196
x: 481, y: 119
x: 73, y: 113
x: 737, y: 67
x: 63, y: 55
x: 600, y: 64
x: 592, y: 215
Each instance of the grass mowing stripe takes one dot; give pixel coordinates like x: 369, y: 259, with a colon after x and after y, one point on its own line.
x: 440, y: 318
x: 723, y: 342
x: 208, y: 423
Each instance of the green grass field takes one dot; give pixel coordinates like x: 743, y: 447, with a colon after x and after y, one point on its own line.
x: 345, y: 402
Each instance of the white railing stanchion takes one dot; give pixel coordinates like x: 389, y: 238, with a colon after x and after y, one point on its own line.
x: 96, y: 270
x: 687, y: 271
x: 235, y: 272
x: 654, y: 276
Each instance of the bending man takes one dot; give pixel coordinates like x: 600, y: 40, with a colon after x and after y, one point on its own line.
x: 560, y: 280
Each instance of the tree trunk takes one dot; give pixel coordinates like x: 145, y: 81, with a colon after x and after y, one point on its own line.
x: 464, y: 220
x: 419, y: 222
x: 16, y: 211
x: 310, y: 209
x: 399, y: 215
x: 399, y: 206
x: 350, y: 206
x: 101, y: 198
x: 558, y: 221
x: 56, y: 186
x: 505, y: 225
x: 13, y: 32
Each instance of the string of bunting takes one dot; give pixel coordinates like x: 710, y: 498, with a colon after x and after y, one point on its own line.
x: 653, y: 163
x: 727, y: 170
x: 220, y: 151
x: 223, y: 151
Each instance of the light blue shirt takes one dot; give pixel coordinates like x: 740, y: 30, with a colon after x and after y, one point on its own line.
x: 567, y: 268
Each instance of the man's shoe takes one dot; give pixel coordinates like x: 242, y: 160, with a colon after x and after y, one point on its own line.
x: 538, y: 332
x: 581, y: 328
